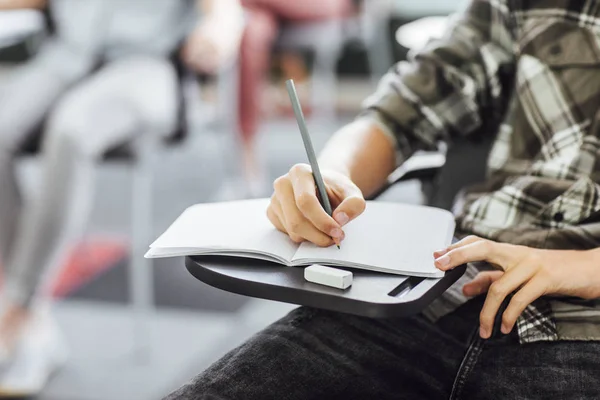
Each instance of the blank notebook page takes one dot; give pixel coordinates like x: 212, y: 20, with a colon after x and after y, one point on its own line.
x: 236, y: 225
x: 394, y: 237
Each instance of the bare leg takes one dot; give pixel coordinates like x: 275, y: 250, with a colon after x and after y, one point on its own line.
x: 260, y: 32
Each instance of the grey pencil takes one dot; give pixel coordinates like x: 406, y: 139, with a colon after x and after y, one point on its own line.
x: 310, y: 151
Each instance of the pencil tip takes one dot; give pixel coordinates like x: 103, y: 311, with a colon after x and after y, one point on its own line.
x: 338, y: 246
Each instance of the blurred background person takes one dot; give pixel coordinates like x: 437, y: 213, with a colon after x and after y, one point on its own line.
x: 263, y: 23
x: 104, y: 78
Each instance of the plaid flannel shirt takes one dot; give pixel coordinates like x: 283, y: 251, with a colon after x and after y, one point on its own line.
x: 529, y: 72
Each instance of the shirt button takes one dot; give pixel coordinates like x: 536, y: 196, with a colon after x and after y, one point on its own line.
x: 559, y: 217
x: 555, y: 49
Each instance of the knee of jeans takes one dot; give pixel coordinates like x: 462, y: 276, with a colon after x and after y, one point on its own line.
x: 302, y: 315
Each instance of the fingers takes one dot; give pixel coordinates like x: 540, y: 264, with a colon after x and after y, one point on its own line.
x: 296, y: 210
x: 473, y: 249
x: 478, y: 250
x: 307, y: 203
x: 481, y: 283
x: 350, y: 208
x: 201, y: 52
x: 498, y: 291
x: 534, y: 289
x: 499, y: 284
x: 275, y: 214
x: 465, y: 241
x: 296, y: 225
x: 352, y: 202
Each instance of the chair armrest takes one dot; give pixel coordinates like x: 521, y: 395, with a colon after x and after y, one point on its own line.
x: 424, y: 166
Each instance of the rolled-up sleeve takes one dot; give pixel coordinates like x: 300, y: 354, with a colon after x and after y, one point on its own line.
x: 450, y: 86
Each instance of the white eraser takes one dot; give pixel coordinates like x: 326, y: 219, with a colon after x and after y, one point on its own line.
x: 328, y: 276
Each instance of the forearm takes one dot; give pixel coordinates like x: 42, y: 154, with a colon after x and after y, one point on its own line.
x: 362, y: 151
x: 20, y: 4
x: 594, y: 256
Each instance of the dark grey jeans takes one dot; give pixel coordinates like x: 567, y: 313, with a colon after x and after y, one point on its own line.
x: 316, y: 354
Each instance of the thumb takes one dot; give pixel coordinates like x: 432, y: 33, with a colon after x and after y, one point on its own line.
x: 350, y: 208
x: 481, y: 283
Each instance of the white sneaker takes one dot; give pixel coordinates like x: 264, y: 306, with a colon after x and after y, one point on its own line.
x: 40, y: 353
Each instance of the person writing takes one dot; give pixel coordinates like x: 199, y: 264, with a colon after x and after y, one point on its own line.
x: 524, y: 323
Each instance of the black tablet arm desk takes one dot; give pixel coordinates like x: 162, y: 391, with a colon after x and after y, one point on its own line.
x: 371, y: 294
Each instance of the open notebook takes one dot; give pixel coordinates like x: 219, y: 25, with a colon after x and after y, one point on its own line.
x: 387, y: 237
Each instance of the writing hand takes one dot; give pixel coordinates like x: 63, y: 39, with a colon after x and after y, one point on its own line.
x: 295, y: 207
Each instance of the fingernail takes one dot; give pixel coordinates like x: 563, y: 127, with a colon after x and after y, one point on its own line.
x: 505, y: 329
x: 443, y: 261
x: 483, y: 332
x: 440, y: 253
x: 342, y: 218
x: 336, y: 233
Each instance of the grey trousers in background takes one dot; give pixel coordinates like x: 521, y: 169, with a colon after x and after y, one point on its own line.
x: 89, y: 114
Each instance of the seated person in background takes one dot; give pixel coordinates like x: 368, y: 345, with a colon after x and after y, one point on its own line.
x: 529, y: 71
x: 263, y: 22
x: 134, y: 92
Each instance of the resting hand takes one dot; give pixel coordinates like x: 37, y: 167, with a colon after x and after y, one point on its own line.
x: 295, y: 207
x: 530, y: 272
x: 210, y: 46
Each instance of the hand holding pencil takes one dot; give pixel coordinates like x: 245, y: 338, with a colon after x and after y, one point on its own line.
x: 313, y: 205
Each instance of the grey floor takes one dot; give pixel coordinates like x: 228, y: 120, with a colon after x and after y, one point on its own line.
x: 106, y: 361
